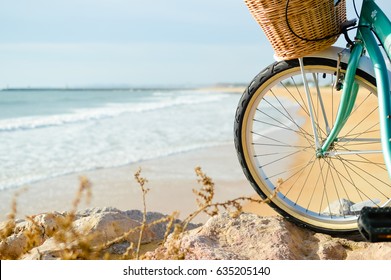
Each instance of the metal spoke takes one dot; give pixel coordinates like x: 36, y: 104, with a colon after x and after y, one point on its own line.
x: 293, y: 96
x: 324, y: 191
x: 270, y: 138
x: 370, y: 175
x: 277, y: 160
x: 288, y: 171
x: 363, y: 121
x: 302, y: 171
x: 378, y: 164
x: 340, y: 180
x: 279, y: 145
x: 304, y: 184
x: 273, y: 125
x: 316, y: 184
x: 304, y: 132
x: 355, y: 109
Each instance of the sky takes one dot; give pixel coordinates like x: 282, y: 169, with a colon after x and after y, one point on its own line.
x: 73, y: 43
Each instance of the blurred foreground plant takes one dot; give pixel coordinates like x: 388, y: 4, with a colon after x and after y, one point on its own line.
x: 77, y: 244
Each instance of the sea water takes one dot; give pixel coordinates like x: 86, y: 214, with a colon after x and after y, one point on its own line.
x: 48, y: 133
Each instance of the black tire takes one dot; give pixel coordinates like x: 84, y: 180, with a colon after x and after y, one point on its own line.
x: 343, y: 178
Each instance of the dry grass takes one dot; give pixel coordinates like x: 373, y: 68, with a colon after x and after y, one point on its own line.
x: 75, y: 244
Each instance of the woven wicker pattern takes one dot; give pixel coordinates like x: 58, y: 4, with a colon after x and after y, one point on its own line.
x: 312, y: 20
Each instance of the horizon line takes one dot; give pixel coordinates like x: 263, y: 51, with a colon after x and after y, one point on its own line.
x: 167, y: 87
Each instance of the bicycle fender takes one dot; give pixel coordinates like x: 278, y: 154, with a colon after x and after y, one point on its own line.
x: 365, y: 63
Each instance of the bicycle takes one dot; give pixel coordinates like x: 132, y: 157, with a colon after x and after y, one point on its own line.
x: 313, y: 133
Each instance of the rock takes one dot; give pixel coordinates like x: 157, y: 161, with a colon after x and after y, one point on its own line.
x: 13, y: 246
x: 158, y: 229
x: 98, y: 226
x: 223, y: 237
x: 17, y: 243
x: 267, y: 238
x: 109, y: 225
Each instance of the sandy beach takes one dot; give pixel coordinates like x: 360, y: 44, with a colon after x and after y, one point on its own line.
x: 170, y: 180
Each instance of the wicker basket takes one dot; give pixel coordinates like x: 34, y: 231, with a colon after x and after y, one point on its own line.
x: 312, y: 26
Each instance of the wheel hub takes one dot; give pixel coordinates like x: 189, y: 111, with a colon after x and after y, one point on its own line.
x: 323, y: 154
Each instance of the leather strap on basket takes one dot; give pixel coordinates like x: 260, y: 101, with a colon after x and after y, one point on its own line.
x: 302, y: 38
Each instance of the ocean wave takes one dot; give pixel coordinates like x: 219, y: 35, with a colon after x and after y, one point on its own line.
x: 110, y: 110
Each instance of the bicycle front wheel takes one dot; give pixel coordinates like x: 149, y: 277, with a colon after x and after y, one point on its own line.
x: 274, y: 138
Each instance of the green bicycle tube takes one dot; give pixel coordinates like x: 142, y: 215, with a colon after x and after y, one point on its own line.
x: 373, y: 17
x: 348, y: 98
x: 383, y: 93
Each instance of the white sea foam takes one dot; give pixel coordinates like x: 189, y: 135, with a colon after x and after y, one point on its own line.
x: 110, y: 110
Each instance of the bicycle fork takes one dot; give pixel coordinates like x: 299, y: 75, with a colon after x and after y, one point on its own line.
x: 348, y: 99
x: 349, y: 95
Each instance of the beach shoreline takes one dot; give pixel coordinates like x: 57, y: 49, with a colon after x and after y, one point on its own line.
x: 171, y: 180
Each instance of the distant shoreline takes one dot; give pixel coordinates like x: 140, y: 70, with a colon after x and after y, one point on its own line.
x: 222, y: 86
x: 89, y: 89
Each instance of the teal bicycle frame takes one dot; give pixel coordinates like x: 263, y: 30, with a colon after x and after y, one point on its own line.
x: 373, y: 22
